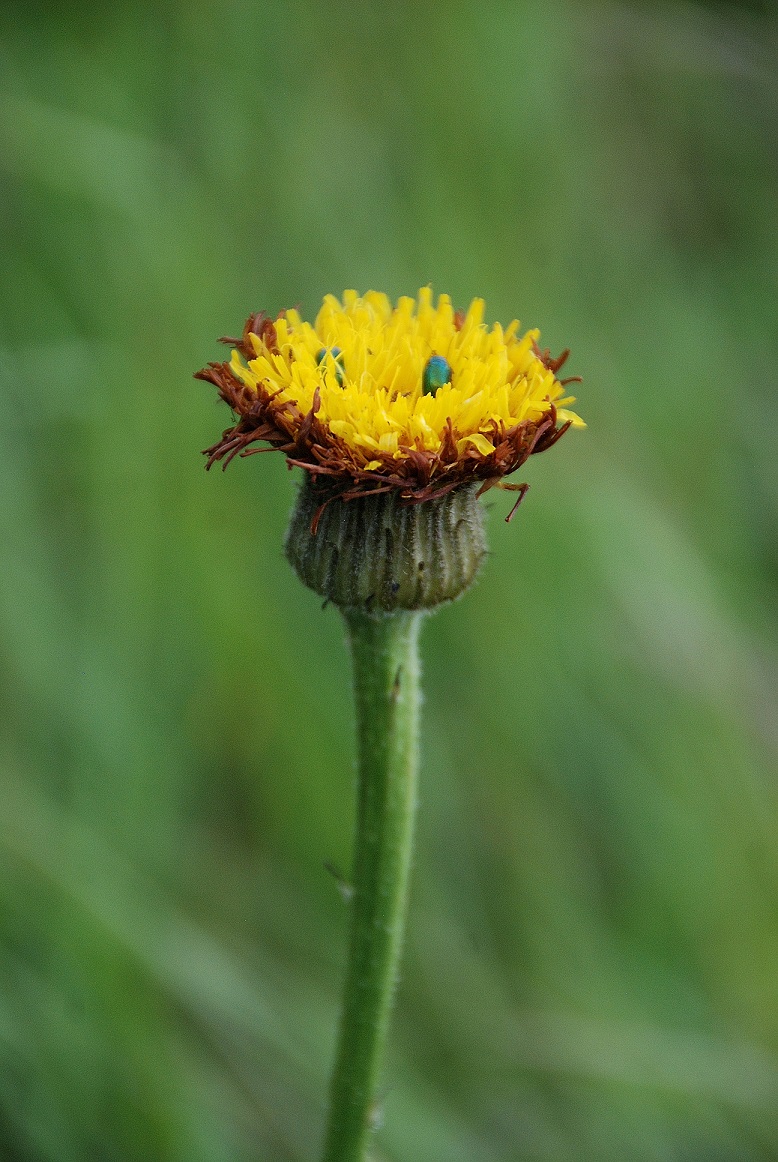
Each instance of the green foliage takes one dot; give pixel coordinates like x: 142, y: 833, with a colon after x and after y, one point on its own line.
x: 590, y: 969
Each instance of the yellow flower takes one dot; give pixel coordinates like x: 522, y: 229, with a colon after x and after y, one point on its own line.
x: 372, y: 397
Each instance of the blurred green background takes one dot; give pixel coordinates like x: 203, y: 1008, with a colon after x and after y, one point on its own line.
x: 591, y: 971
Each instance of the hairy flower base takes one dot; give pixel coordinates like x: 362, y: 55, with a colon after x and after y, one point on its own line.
x: 377, y: 555
x: 416, y: 399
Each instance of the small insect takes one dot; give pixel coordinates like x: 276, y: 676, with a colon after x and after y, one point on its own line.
x: 337, y: 357
x: 437, y: 373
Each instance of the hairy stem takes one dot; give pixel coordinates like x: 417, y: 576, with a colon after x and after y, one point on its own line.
x: 386, y: 687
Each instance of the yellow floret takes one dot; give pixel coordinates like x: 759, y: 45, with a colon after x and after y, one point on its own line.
x: 371, y: 393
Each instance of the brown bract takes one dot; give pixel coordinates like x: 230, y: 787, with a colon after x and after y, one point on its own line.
x: 307, y: 443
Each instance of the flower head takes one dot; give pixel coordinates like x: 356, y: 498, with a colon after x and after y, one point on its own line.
x: 372, y: 397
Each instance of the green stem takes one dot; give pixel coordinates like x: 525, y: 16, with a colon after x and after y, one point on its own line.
x: 386, y: 687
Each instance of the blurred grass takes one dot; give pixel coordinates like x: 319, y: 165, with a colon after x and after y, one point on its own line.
x: 591, y: 960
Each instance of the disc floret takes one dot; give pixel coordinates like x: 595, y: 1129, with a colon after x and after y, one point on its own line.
x: 374, y: 397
